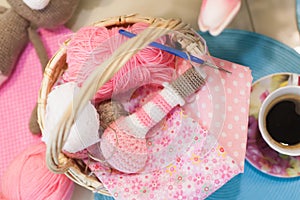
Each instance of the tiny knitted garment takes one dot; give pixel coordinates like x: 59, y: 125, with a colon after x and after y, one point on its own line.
x: 124, y: 144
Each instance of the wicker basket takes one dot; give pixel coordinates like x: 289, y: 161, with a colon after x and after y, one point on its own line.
x: 75, y: 169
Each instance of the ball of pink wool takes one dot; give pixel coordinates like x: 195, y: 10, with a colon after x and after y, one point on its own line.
x: 2, y: 197
x: 90, y: 46
x: 28, y: 177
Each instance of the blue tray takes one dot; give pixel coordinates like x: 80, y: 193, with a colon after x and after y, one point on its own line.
x: 264, y: 56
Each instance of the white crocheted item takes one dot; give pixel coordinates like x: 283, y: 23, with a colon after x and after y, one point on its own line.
x: 84, y: 132
x: 36, y: 4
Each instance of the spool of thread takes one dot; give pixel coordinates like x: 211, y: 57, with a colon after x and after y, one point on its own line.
x: 28, y: 177
x: 124, y: 144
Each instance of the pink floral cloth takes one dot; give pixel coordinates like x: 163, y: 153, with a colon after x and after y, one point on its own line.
x: 185, y: 172
x: 18, y: 97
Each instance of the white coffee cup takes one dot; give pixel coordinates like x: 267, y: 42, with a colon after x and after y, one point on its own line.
x: 269, y: 121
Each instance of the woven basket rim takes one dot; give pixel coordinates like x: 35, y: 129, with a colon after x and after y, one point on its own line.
x: 54, y: 69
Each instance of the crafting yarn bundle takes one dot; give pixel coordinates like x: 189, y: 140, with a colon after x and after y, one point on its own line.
x: 29, y: 178
x: 91, y: 46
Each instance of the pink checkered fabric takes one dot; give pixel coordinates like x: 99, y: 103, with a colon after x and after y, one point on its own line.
x: 18, y: 96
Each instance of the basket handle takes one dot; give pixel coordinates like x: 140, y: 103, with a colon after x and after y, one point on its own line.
x: 56, y: 161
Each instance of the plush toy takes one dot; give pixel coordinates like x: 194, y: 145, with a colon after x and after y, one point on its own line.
x: 19, y: 26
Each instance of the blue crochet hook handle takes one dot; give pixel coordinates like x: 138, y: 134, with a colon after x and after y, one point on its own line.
x: 173, y: 51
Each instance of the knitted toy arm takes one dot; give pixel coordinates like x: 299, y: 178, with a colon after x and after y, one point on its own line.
x: 43, y: 57
x: 12, y: 42
x: 35, y: 39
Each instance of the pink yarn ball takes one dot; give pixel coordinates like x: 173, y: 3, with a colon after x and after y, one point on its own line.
x: 90, y: 46
x: 2, y: 197
x: 28, y: 177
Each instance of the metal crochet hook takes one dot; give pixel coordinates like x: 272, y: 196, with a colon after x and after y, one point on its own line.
x: 175, y: 52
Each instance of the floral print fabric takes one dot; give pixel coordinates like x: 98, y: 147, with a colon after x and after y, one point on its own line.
x: 184, y: 172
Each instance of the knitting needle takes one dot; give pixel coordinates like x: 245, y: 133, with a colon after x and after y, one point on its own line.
x: 176, y: 52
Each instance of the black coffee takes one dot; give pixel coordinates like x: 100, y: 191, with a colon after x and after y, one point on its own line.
x: 283, y: 122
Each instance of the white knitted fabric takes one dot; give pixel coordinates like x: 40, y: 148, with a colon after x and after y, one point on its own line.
x: 172, y: 96
x: 133, y: 126
x: 36, y: 4
x: 84, y: 131
x: 153, y: 111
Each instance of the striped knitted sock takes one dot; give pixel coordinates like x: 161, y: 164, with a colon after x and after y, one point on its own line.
x: 124, y: 144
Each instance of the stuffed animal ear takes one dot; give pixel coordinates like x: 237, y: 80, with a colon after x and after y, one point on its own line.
x: 36, y: 4
x: 216, y: 15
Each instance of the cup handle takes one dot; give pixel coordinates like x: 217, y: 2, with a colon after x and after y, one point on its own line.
x: 294, y: 80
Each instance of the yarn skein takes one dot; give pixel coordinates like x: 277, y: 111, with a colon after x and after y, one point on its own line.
x: 90, y: 46
x: 28, y: 177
